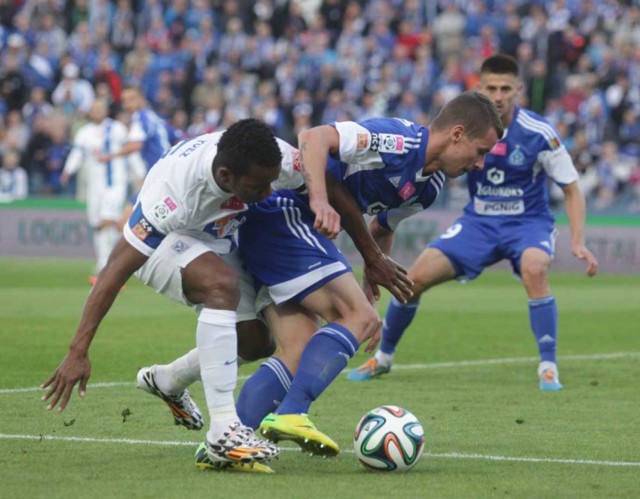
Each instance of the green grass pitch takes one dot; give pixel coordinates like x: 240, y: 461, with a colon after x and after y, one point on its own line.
x: 466, y: 369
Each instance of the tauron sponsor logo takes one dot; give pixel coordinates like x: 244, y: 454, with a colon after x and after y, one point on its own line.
x: 503, y: 192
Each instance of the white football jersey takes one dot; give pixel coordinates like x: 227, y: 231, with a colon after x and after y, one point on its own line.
x: 106, y: 182
x: 180, y: 194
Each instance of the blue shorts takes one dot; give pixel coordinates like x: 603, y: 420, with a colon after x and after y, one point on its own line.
x: 280, y: 247
x: 473, y: 243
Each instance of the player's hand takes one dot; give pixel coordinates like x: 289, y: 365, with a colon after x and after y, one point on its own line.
x: 371, y: 291
x: 374, y: 339
x: 64, y: 179
x: 385, y: 272
x: 75, y: 367
x: 327, y: 219
x: 102, y: 157
x: 582, y: 252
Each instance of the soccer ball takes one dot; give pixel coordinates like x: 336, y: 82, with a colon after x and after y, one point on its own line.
x: 389, y: 438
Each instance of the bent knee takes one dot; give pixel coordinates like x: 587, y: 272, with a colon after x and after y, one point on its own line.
x: 534, y: 271
x: 367, y: 322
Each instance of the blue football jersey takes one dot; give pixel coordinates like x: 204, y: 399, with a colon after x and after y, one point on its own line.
x: 155, y: 134
x: 514, y: 179
x: 380, y: 161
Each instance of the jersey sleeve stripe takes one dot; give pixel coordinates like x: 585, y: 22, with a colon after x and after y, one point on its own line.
x: 537, y: 126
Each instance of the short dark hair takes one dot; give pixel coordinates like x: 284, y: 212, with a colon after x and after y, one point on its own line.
x: 474, y: 111
x: 500, y: 64
x: 246, y: 143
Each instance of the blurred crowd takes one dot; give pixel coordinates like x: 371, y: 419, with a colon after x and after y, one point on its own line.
x: 204, y: 64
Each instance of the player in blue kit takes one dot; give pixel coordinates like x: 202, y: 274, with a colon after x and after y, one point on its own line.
x: 387, y: 167
x: 508, y: 217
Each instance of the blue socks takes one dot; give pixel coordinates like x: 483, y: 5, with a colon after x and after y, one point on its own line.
x: 263, y: 391
x: 396, y: 321
x: 543, y: 317
x: 324, y: 357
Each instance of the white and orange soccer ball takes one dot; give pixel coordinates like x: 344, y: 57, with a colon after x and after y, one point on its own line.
x: 389, y: 438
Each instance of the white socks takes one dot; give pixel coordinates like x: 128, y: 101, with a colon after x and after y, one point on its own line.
x: 385, y: 359
x: 182, y: 372
x: 217, y: 344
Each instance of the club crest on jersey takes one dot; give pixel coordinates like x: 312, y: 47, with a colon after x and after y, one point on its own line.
x: 233, y: 203
x: 516, y: 157
x: 179, y: 246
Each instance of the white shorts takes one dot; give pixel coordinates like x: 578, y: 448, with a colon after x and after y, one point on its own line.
x: 106, y: 205
x: 162, y: 271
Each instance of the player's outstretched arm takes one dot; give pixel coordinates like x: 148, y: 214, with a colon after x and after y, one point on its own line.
x: 379, y: 268
x: 76, y: 367
x: 315, y: 145
x: 575, y: 206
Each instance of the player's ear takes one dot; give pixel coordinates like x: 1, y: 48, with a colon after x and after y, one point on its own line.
x: 457, y: 131
x: 223, y: 176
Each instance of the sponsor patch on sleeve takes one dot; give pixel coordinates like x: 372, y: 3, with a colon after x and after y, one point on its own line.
x: 500, y: 149
x: 143, y: 229
x: 163, y: 209
x: 386, y: 142
x: 362, y: 141
x: 554, y: 143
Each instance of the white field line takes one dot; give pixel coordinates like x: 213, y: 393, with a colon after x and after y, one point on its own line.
x: 447, y: 455
x: 397, y: 367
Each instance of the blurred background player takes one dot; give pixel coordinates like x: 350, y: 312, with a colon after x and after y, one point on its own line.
x: 149, y: 138
x: 508, y: 217
x: 106, y: 180
x: 14, y: 182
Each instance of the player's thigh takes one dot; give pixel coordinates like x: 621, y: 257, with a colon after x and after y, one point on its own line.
x: 246, y: 310
x: 470, y: 245
x: 536, y: 239
x: 209, y: 280
x: 293, y: 326
x: 432, y: 267
x: 163, y: 270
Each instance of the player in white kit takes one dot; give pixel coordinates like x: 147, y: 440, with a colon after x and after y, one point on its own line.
x: 179, y: 240
x: 106, y: 181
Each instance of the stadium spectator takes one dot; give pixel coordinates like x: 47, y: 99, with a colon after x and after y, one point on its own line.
x: 73, y: 94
